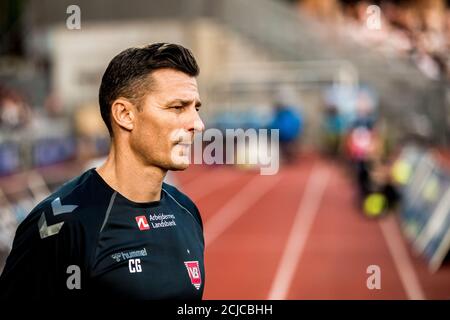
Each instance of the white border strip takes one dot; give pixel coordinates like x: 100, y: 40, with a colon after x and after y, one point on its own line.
x: 403, y: 264
x: 238, y: 205
x: 301, y: 227
x: 201, y: 187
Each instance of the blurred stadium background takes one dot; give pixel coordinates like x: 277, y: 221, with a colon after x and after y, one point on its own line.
x: 307, y: 232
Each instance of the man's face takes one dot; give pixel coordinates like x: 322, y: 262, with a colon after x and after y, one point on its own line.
x: 164, y: 128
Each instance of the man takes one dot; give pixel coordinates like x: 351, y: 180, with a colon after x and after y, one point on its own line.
x: 289, y: 123
x: 119, y: 230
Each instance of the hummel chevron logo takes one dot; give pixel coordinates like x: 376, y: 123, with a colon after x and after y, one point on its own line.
x: 47, y: 231
x: 57, y: 208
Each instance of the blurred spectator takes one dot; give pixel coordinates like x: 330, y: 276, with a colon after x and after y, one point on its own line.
x: 418, y: 30
x: 362, y: 143
x: 14, y: 112
x: 365, y: 112
x: 333, y: 130
x: 289, y: 122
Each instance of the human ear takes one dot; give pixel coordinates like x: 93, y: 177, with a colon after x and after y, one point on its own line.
x: 122, y: 113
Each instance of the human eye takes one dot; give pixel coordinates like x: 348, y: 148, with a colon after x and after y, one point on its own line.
x: 177, y: 108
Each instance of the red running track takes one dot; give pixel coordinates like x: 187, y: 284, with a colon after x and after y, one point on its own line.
x: 298, y: 235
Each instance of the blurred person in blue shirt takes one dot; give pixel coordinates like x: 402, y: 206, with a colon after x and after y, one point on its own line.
x: 289, y: 121
x: 333, y: 130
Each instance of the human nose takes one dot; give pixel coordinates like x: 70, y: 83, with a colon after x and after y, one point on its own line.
x: 197, y: 123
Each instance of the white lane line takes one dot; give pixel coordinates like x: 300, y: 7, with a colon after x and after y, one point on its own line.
x: 238, y: 205
x: 301, y: 227
x: 203, y: 187
x: 402, y: 262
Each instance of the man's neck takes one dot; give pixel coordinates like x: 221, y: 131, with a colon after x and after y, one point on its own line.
x: 128, y: 176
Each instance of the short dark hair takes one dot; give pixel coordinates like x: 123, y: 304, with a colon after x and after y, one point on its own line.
x: 128, y: 73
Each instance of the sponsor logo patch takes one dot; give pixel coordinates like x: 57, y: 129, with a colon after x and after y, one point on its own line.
x: 142, y: 223
x: 193, y: 270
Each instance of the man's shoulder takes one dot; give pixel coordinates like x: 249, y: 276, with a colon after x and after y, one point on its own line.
x: 74, y: 189
x: 183, y: 201
x: 71, y: 203
x: 56, y: 233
